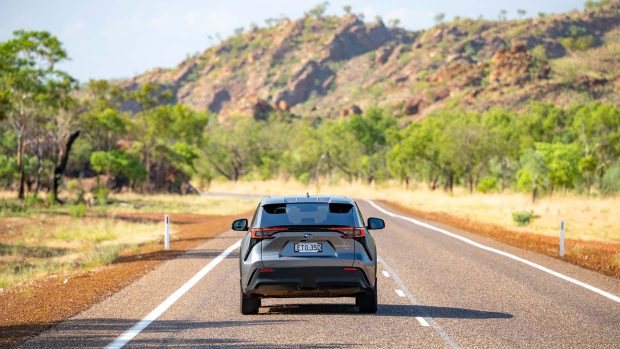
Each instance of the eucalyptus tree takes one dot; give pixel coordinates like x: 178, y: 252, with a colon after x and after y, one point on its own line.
x: 32, y: 90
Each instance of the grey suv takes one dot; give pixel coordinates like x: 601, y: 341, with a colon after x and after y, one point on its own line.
x: 308, y: 246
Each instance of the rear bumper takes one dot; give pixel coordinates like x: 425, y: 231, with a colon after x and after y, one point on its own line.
x: 308, y: 282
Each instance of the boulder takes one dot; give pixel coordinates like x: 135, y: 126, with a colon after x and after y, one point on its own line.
x: 514, y: 66
x: 382, y: 54
x: 283, y: 106
x: 413, y: 105
x: 217, y: 101
x: 353, y: 37
x: 261, y: 109
x: 352, y: 110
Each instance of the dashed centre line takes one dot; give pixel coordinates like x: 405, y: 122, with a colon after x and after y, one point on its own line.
x: 386, y: 274
x: 425, y: 320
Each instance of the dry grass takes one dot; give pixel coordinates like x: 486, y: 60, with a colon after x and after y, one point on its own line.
x: 586, y: 218
x: 46, y: 241
x: 56, y: 244
x: 195, y: 204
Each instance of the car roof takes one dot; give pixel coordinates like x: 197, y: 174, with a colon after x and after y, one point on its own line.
x: 307, y: 199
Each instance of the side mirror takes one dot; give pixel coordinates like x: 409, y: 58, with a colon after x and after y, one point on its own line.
x: 375, y: 223
x: 240, y: 225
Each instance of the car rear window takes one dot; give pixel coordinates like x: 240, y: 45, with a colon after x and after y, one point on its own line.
x: 323, y: 214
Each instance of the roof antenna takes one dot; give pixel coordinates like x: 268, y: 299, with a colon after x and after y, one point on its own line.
x: 307, y: 195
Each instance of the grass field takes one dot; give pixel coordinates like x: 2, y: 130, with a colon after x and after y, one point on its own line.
x: 586, y: 218
x: 48, y: 241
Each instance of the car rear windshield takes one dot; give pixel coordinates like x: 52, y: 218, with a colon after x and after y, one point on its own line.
x: 320, y: 214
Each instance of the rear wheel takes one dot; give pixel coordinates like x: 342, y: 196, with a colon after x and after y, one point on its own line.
x: 367, y: 301
x: 249, y: 304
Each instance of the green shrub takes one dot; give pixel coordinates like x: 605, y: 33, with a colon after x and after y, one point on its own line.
x: 11, y: 206
x: 31, y: 201
x: 611, y: 180
x: 77, y: 210
x: 579, y: 43
x: 487, y: 185
x: 74, y: 184
x: 523, y: 217
x: 540, y: 53
x: 101, y: 194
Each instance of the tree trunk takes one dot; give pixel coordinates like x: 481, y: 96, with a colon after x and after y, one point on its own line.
x: 449, y: 183
x: 504, y: 170
x: 37, y: 182
x: 147, y: 165
x: 61, y: 165
x: 20, y: 164
x: 534, y: 190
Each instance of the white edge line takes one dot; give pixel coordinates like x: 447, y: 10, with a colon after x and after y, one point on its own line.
x: 505, y: 254
x: 124, y: 338
x: 386, y: 274
x: 400, y: 293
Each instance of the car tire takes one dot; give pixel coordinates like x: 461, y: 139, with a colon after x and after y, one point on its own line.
x: 249, y: 304
x: 367, y: 302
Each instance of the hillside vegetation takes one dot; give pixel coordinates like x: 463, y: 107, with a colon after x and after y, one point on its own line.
x: 326, y: 66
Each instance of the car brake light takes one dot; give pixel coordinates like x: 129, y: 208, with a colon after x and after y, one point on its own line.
x: 350, y: 269
x: 265, y: 270
x: 351, y: 232
x: 264, y: 233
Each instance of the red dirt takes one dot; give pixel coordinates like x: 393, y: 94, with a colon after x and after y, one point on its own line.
x: 32, y: 308
x: 593, y: 255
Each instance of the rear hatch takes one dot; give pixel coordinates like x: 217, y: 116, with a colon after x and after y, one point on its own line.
x: 313, y: 234
x: 308, y: 248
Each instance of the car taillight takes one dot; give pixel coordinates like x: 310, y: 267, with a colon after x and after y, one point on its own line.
x: 351, y: 232
x: 264, y: 233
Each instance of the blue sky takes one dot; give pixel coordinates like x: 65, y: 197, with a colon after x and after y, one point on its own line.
x: 116, y: 38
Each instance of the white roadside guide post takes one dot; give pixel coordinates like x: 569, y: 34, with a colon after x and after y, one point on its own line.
x: 167, y: 233
x: 561, y: 238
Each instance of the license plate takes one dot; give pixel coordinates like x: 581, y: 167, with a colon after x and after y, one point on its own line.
x: 311, y: 247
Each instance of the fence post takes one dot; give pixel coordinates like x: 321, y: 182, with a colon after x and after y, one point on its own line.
x: 562, y: 238
x: 167, y: 233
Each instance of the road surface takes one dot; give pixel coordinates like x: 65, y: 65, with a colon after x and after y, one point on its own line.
x: 435, y: 290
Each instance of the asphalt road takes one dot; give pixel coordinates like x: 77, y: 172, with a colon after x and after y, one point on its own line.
x: 434, y: 291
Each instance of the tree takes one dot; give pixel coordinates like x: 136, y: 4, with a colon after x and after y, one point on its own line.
x: 597, y: 128
x: 318, y: 11
x: 119, y: 164
x: 169, y: 138
x: 521, y: 13
x: 394, y: 22
x: 347, y: 9
x: 533, y: 173
x: 503, y: 15
x: 31, y: 84
x: 439, y: 17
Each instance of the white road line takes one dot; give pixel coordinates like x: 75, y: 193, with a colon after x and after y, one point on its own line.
x: 124, y: 338
x: 400, y: 293
x: 422, y: 321
x: 425, y: 319
x: 493, y: 250
x: 386, y: 274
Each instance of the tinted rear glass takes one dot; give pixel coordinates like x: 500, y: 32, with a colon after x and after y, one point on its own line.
x: 324, y: 214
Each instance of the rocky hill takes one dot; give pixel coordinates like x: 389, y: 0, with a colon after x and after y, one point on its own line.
x: 328, y: 66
